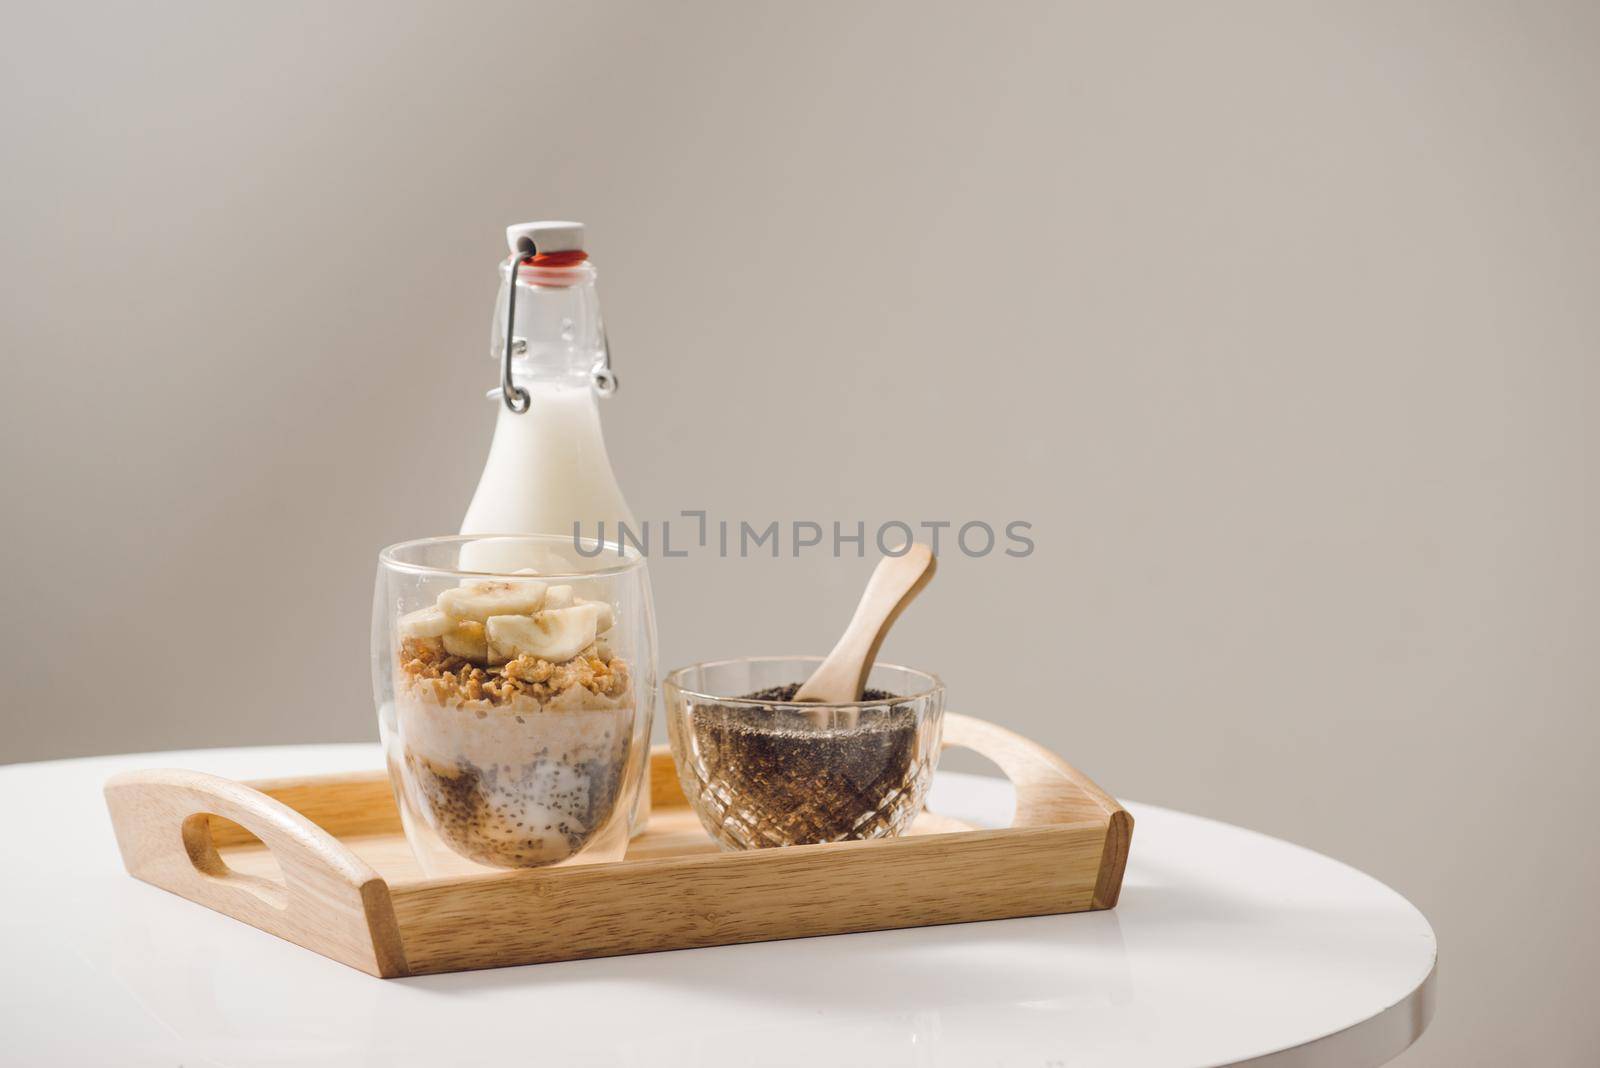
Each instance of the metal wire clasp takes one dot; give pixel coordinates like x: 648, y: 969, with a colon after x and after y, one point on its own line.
x: 605, y: 379
x: 516, y: 398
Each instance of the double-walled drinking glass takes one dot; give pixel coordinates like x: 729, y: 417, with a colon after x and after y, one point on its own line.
x: 515, y: 680
x: 761, y: 770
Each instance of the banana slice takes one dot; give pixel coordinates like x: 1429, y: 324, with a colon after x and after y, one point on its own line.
x: 425, y: 623
x: 607, y: 616
x: 480, y: 581
x: 481, y: 600
x: 557, y: 635
x: 557, y: 597
x: 468, y: 640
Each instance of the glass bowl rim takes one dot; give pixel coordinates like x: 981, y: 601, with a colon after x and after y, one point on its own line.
x: 633, y: 559
x: 935, y: 688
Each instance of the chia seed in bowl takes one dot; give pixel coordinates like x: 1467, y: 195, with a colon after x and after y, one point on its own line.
x: 762, y: 771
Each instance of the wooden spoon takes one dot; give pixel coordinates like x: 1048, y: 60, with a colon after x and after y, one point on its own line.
x: 894, y: 583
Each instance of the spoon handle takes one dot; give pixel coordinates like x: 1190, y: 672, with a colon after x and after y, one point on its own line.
x: 894, y: 584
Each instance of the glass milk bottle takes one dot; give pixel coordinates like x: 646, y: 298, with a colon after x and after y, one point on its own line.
x: 548, y: 472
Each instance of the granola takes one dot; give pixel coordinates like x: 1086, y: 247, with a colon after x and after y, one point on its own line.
x: 431, y: 671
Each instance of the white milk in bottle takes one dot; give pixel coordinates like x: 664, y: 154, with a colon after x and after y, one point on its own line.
x: 547, y: 468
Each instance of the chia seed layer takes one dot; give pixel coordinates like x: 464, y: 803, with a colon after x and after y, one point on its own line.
x: 517, y: 816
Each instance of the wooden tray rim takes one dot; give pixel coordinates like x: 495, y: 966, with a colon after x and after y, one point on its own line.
x: 333, y: 902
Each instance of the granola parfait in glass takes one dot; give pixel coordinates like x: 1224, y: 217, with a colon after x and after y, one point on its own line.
x: 515, y: 681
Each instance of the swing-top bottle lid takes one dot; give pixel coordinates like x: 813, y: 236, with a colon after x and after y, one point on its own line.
x: 545, y: 237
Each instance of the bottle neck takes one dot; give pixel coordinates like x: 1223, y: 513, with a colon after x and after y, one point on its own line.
x: 557, y: 338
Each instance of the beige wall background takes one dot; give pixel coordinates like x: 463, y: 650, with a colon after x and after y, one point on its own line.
x: 1277, y: 322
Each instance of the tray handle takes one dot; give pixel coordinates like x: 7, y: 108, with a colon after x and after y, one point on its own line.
x: 1050, y: 792
x: 329, y: 899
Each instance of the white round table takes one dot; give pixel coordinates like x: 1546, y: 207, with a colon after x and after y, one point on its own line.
x: 1228, y: 948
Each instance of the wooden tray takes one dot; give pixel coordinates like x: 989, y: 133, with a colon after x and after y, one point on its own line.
x: 323, y: 863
